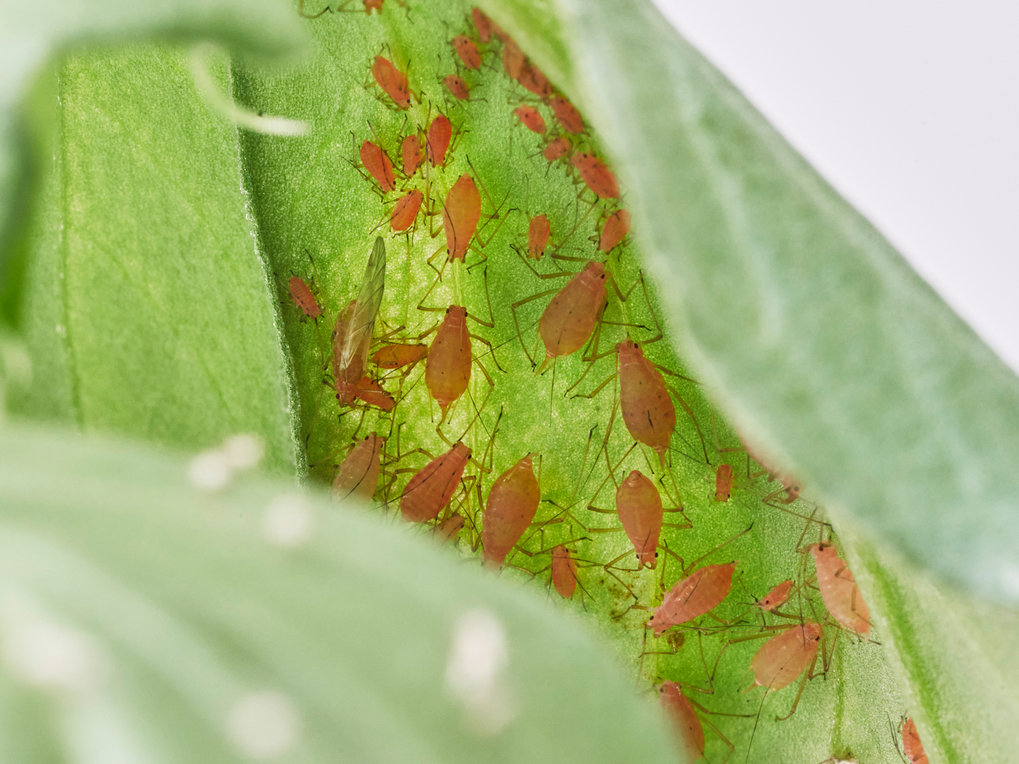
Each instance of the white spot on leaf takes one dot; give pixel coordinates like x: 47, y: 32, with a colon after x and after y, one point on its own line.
x: 288, y: 521
x: 476, y: 672
x: 264, y: 724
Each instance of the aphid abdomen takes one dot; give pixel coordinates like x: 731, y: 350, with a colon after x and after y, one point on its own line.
x: 359, y: 471
x: 448, y: 366
x: 511, y: 506
x: 648, y: 411
x: 640, y: 511
x: 784, y: 657
x: 432, y: 488
x: 571, y: 315
x: 693, y: 596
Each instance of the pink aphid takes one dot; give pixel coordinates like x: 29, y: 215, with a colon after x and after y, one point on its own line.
x: 648, y: 411
x: 723, y: 482
x: 596, y: 175
x: 392, y: 81
x: 532, y: 78
x: 396, y: 356
x: 838, y: 588
x: 303, y: 297
x: 693, y: 596
x: 450, y: 528
x: 412, y: 154
x: 640, y: 511
x: 572, y: 313
x: 467, y: 51
x: 783, y: 658
x: 538, y: 232
x: 483, y: 24
x: 378, y: 165
x: 448, y: 366
x: 564, y: 571
x: 457, y: 87
x: 406, y: 211
x: 912, y: 746
x: 359, y: 471
x: 460, y: 216
x: 557, y: 149
x: 530, y: 118
x: 440, y: 132
x: 617, y: 225
x: 432, y: 488
x: 683, y: 717
x: 566, y: 114
x: 511, y: 506
x: 777, y: 597
x: 371, y: 392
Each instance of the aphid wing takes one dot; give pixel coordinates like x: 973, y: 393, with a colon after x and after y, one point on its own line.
x: 366, y: 308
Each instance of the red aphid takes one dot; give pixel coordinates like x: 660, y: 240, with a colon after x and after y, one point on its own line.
x: 530, y: 118
x: 439, y: 134
x: 533, y: 79
x: 395, y: 356
x: 460, y: 216
x: 784, y: 657
x: 572, y: 313
x: 538, y: 232
x: 693, y: 596
x: 511, y: 506
x: 683, y: 717
x: 413, y: 154
x: 392, y: 81
x: 406, y: 211
x: 838, y: 588
x: 450, y: 528
x: 557, y: 149
x: 648, y: 411
x: 513, y: 59
x: 377, y: 163
x: 359, y: 471
x: 467, y: 51
x: 448, y: 367
x: 483, y: 24
x: 457, y: 87
x: 912, y: 747
x: 617, y: 225
x: 304, y: 298
x: 566, y: 114
x: 639, y: 506
x: 371, y: 392
x: 777, y: 597
x: 432, y: 488
x: 596, y: 175
x: 564, y: 571
x: 723, y: 482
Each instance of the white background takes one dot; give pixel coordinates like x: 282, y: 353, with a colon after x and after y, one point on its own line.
x: 910, y: 109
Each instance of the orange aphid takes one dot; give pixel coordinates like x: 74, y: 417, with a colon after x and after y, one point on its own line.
x: 777, y: 597
x: 482, y: 23
x: 532, y: 78
x: 557, y: 149
x: 449, y: 528
x: 640, y: 511
x: 617, y: 225
x: 684, y: 720
x: 359, y: 470
x: 564, y: 571
x: 439, y: 134
x: 567, y: 115
x: 412, y: 154
x: 911, y: 745
x: 460, y: 216
x: 570, y: 317
x: 406, y: 211
x: 693, y: 596
x: 784, y: 657
x: 467, y: 51
x: 838, y: 588
x: 392, y: 81
x: 396, y: 356
x: 371, y: 392
x: 596, y: 175
x: 457, y: 87
x: 511, y: 506
x: 513, y: 59
x: 723, y: 482
x: 432, y: 488
x: 303, y: 297
x: 448, y: 368
x: 647, y: 408
x: 377, y: 163
x: 530, y: 118
x: 538, y: 232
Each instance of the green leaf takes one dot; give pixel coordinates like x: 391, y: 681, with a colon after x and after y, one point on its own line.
x: 138, y: 613
x: 820, y: 342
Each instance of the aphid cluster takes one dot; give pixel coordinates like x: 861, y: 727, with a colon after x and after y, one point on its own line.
x: 528, y: 320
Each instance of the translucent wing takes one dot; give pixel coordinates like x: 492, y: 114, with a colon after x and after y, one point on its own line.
x: 354, y: 327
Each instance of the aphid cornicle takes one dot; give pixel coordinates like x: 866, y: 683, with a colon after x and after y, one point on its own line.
x: 352, y: 334
x: 564, y: 571
x: 640, y: 511
x: 510, y: 508
x: 448, y: 366
x: 693, y: 596
x: 359, y: 471
x: 571, y: 315
x: 784, y: 657
x: 392, y: 81
x: 685, y: 721
x: 648, y: 411
x: 838, y: 588
x: 432, y: 488
x: 378, y: 164
x: 460, y: 216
